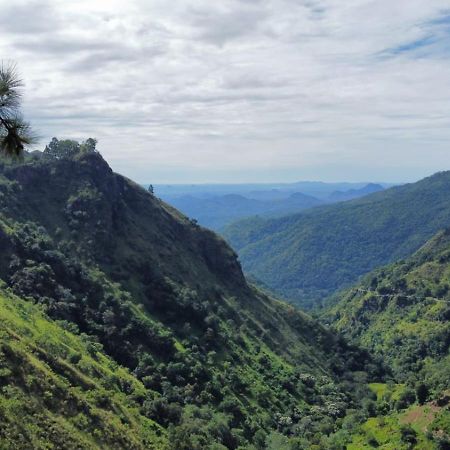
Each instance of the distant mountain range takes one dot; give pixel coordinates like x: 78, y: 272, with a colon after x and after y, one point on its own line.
x: 308, y: 256
x: 216, y: 211
x: 339, y: 196
x: 258, y: 191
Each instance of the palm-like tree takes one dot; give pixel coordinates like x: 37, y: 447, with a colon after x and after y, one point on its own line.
x: 15, y: 133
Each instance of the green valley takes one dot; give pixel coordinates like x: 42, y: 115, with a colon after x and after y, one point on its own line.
x: 59, y: 389
x: 308, y: 256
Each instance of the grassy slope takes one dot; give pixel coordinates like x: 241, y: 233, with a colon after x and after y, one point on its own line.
x: 59, y: 391
x: 310, y: 255
x: 430, y: 422
x: 405, y: 321
x: 405, y: 317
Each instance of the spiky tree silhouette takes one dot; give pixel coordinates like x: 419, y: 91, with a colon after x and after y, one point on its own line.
x: 15, y: 133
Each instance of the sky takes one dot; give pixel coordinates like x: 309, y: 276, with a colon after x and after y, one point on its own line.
x: 196, y: 91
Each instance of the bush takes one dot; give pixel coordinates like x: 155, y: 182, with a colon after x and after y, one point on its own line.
x: 161, y: 411
x: 407, y: 397
x: 408, y: 435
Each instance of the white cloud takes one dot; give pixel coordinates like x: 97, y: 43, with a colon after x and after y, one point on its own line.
x: 238, y: 89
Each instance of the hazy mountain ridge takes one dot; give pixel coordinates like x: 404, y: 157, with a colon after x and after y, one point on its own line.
x: 258, y: 191
x: 216, y: 209
x: 217, y: 212
x: 339, y: 196
x: 308, y: 256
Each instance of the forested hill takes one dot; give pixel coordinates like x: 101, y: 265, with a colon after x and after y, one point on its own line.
x: 402, y: 311
x: 310, y: 255
x: 139, y: 323
x: 402, y: 314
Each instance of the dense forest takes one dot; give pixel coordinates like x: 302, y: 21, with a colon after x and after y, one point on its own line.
x: 308, y: 256
x: 134, y: 321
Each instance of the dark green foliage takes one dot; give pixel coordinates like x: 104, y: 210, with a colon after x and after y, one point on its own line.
x: 408, y: 435
x: 400, y: 313
x: 422, y: 393
x: 68, y: 148
x: 310, y: 255
x: 219, y: 361
x: 407, y: 397
x: 161, y: 411
x: 15, y: 133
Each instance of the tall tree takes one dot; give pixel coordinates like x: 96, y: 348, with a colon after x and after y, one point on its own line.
x: 15, y: 133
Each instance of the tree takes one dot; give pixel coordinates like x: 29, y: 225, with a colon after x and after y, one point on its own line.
x: 408, y: 435
x: 406, y: 398
x: 61, y: 149
x: 15, y: 133
x: 68, y: 148
x: 422, y: 393
x: 89, y: 146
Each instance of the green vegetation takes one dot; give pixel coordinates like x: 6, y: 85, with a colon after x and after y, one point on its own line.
x: 59, y: 390
x: 419, y: 427
x: 123, y: 324
x: 400, y: 313
x: 214, y: 363
x: 308, y: 256
x: 15, y: 133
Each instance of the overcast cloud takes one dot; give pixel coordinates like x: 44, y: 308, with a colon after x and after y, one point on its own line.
x: 240, y: 90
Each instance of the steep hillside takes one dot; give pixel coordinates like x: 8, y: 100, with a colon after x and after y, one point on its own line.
x: 402, y: 311
x: 167, y: 300
x: 402, y: 314
x: 58, y: 389
x: 219, y: 211
x: 310, y: 255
